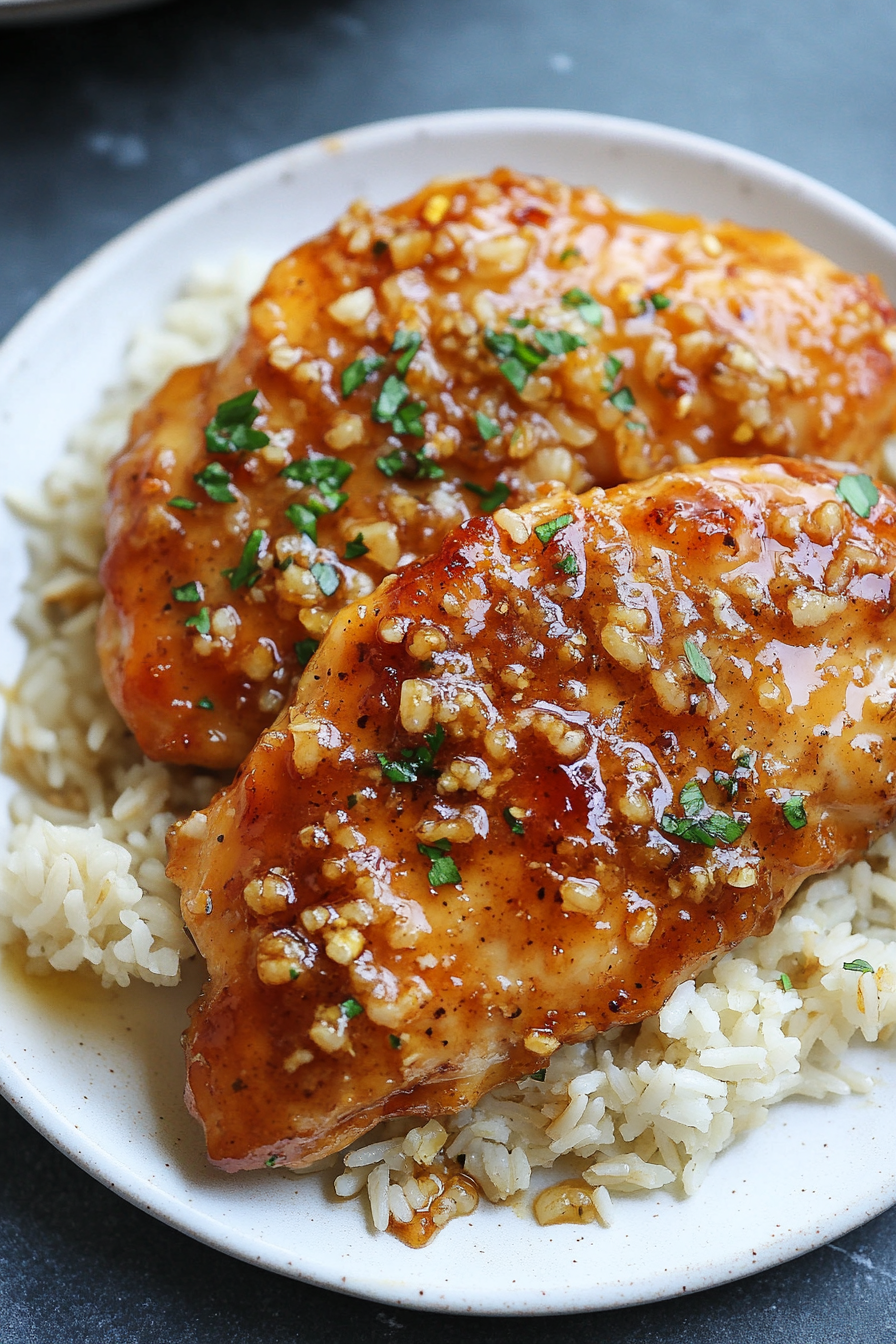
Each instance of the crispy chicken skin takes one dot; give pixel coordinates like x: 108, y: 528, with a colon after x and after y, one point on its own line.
x: 630, y: 724
x: 694, y: 344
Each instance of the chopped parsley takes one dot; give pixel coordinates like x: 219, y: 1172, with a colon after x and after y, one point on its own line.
x: 863, y: 967
x: 216, y: 482
x: 538, y: 1075
x: 612, y: 370
x: 201, y: 622
x: 490, y: 499
x: 699, y: 663
x: 395, y: 1041
x: 304, y: 649
x: 393, y: 394
x: 230, y: 429
x: 623, y: 400
x: 515, y: 823
x: 488, y: 429
x: 569, y: 254
x: 187, y: 592
x: 359, y: 371
x: 516, y: 358
x: 558, y: 342
x: 247, y: 571
x: 443, y: 872
x: 417, y: 466
x: 408, y: 421
x: 546, y: 531
x: 660, y: 301
x: 742, y: 767
x: 179, y: 502
x: 272, y: 1160
x: 408, y: 343
x: 327, y: 577
x: 303, y: 520
x: 351, y: 1008
x: 327, y: 473
x: 786, y: 982
x: 859, y: 492
x: 351, y: 801
x: 568, y: 565
x: 794, y: 810
x: 414, y: 761
x: 700, y: 825
x: 355, y: 549
x: 589, y: 309
x: 205, y: 703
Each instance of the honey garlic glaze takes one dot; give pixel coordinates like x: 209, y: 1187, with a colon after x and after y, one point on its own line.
x: 528, y: 786
x: 420, y: 364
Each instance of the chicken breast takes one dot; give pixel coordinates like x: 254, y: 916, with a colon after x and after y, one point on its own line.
x: 421, y: 364
x: 528, y: 786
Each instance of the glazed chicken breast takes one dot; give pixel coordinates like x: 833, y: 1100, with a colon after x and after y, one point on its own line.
x: 439, y: 359
x: 528, y: 786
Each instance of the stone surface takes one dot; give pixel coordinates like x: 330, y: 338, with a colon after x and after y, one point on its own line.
x: 103, y: 121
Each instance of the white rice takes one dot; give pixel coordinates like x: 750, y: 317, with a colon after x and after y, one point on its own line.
x: 83, y: 883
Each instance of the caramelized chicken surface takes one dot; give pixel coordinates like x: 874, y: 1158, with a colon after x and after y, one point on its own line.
x: 528, y: 786
x: 424, y: 363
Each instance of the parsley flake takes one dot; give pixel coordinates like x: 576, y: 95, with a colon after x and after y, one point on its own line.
x: 413, y: 761
x: 612, y: 369
x: 327, y: 577
x: 538, y: 1075
x: 179, y: 502
x: 569, y: 254
x: 794, y: 810
x: 660, y: 301
x: 558, y: 342
x: 327, y: 473
x: 303, y: 520
x: 568, y: 565
x: 416, y: 466
x: 488, y: 429
x: 443, y: 872
x: 205, y: 703
x: 699, y: 663
x: 201, y: 622
x: 515, y: 823
x: 351, y: 1008
x: 395, y: 1041
x: 355, y: 549
x: 247, y: 571
x: 304, y: 649
x: 700, y: 825
x: 408, y: 421
x: 623, y: 400
x: 393, y: 394
x: 351, y: 801
x: 516, y: 359
x: 408, y: 342
x: 358, y: 372
x: 216, y: 482
x: 589, y: 309
x: 859, y: 492
x: 786, y: 982
x: 230, y: 429
x: 187, y: 592
x: 490, y: 499
x: 860, y: 965
x: 545, y: 531
x: 272, y: 1160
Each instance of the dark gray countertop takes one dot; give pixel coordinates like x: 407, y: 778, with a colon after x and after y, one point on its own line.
x: 103, y: 121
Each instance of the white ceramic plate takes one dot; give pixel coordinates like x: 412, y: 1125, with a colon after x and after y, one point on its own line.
x: 101, y: 1074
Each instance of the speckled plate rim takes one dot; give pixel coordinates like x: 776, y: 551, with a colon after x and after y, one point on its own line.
x: 753, y: 188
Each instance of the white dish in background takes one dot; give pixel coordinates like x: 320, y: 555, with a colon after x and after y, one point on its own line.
x: 100, y: 1073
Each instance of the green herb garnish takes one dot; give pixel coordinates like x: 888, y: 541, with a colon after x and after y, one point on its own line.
x: 395, y: 1041
x: 201, y: 622
x: 558, y: 342
x: 699, y: 663
x: 303, y: 520
x: 568, y: 565
x: 545, y: 531
x: 304, y: 649
x: 216, y: 482
x: 568, y: 253
x: 860, y: 965
x: 408, y: 421
x: 660, y: 301
x: 786, y: 982
x: 538, y: 1075
x: 358, y: 372
x: 247, y: 571
x: 393, y: 394
x: 623, y: 400
x: 351, y: 1008
x: 230, y: 429
x: 355, y: 549
x: 443, y: 872
x: 179, y: 502
x: 327, y: 473
x: 859, y: 492
x: 414, y: 761
x: 327, y: 576
x: 515, y: 823
x: 187, y: 592
x: 490, y: 499
x: 794, y: 810
x: 612, y: 369
x: 272, y: 1161
x: 416, y: 466
x: 700, y: 825
x: 351, y: 801
x: 488, y: 429
x: 589, y: 309
x: 516, y: 358
x: 205, y: 703
x: 408, y: 342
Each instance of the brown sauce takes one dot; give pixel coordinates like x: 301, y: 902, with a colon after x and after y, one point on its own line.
x: 450, y: 1194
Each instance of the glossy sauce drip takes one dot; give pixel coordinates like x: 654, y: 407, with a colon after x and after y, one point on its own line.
x: 450, y: 1194
x: 566, y: 1202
